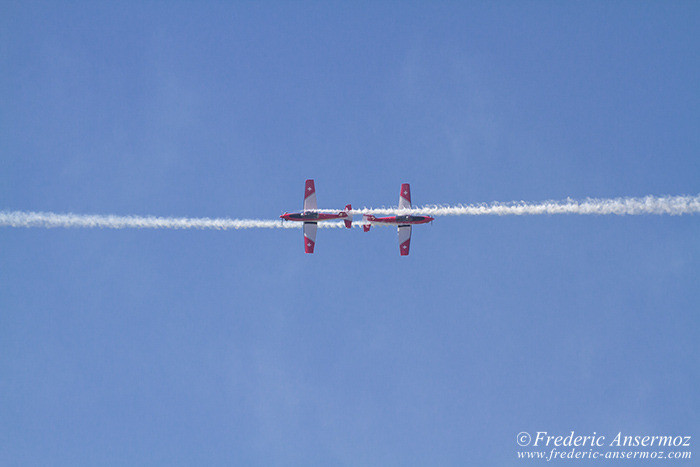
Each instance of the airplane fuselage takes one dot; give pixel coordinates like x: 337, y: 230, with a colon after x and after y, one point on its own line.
x: 312, y: 216
x: 400, y: 220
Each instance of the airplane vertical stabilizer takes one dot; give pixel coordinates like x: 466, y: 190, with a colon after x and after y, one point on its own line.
x: 367, y: 225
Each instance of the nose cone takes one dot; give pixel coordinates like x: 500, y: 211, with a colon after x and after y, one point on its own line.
x: 284, y: 216
x: 431, y: 219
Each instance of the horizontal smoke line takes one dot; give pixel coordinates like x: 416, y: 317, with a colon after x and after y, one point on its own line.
x: 51, y: 220
x: 659, y: 205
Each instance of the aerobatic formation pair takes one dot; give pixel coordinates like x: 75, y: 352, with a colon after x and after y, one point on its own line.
x: 310, y: 216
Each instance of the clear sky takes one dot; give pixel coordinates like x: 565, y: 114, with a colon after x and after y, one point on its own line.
x: 140, y: 347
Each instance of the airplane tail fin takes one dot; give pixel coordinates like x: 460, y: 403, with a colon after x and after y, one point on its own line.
x: 366, y: 227
x: 348, y: 220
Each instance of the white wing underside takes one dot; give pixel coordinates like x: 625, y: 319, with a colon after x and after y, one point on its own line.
x: 310, y: 202
x: 404, y: 239
x: 310, y: 230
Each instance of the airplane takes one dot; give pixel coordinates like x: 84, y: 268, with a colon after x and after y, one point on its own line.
x: 310, y: 216
x: 404, y: 223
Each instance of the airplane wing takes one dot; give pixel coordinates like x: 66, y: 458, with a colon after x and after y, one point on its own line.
x: 309, y: 196
x: 404, y: 239
x: 309, y: 236
x: 405, y: 196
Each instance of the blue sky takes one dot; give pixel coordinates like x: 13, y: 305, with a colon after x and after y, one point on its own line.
x: 208, y: 347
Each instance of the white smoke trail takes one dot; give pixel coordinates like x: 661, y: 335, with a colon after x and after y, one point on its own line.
x: 49, y: 220
x: 671, y: 205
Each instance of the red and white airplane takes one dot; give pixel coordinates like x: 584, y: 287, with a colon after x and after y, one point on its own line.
x: 404, y: 223
x: 310, y: 216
